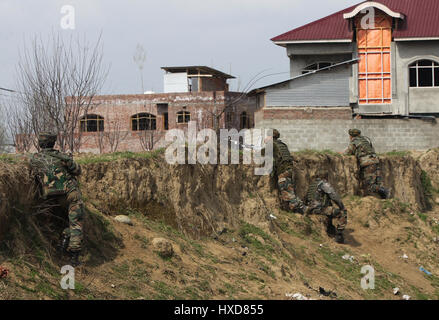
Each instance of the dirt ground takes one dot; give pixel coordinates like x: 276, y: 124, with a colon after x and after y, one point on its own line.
x: 225, y: 246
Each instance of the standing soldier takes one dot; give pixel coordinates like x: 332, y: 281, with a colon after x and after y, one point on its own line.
x: 56, y: 173
x: 283, y: 169
x: 319, y: 199
x: 370, y: 171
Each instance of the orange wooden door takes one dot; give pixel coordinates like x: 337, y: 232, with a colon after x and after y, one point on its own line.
x: 374, y: 77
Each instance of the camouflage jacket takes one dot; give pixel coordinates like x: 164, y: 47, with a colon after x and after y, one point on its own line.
x: 362, y: 148
x: 55, y: 172
x: 282, y: 159
x: 320, y: 194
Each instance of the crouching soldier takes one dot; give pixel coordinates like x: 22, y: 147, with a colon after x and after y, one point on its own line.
x: 56, y: 174
x: 319, y: 198
x: 370, y: 170
x: 283, y: 172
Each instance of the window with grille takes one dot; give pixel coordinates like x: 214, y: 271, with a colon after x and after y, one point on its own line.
x: 316, y: 66
x: 91, y: 123
x: 183, y: 117
x: 424, y: 73
x: 143, y: 121
x: 374, y: 69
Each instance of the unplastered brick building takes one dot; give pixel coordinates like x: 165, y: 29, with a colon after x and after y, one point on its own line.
x: 139, y: 122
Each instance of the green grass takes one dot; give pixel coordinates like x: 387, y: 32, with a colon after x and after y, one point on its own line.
x: 192, y: 293
x: 395, y: 206
x: 109, y: 157
x: 9, y: 158
x: 422, y: 216
x: 396, y: 153
x: 426, y: 184
x: 143, y: 240
x: 249, y: 233
x: 163, y: 291
x: 317, y: 152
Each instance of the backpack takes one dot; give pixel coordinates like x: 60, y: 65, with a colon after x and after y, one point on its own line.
x: 363, y: 146
x: 51, y: 173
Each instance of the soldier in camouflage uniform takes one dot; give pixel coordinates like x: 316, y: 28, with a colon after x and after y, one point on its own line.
x: 319, y: 198
x: 57, y: 173
x: 283, y: 169
x: 370, y: 172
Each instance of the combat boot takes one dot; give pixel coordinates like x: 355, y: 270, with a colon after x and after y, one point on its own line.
x: 330, y: 230
x: 339, y: 238
x: 62, y: 246
x: 384, y: 193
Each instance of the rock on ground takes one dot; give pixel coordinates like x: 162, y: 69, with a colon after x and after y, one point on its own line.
x: 164, y: 247
x: 123, y: 219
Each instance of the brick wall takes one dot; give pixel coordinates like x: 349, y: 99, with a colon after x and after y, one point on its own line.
x: 118, y: 109
x: 386, y: 134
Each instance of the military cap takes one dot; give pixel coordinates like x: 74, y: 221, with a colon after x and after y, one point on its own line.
x: 354, y: 132
x: 276, y: 134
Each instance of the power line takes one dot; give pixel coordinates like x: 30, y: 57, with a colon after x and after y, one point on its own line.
x: 9, y: 90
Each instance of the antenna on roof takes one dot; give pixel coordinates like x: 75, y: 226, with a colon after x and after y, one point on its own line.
x: 139, y: 59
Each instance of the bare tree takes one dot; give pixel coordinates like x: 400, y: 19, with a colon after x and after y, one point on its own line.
x: 148, y: 139
x: 109, y: 139
x: 57, y: 81
x: 99, y: 138
x: 3, y: 137
x: 18, y: 125
x: 114, y: 136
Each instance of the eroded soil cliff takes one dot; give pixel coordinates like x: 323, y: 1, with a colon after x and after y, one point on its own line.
x: 216, y: 219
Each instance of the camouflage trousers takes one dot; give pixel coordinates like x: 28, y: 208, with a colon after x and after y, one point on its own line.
x: 73, y: 202
x: 289, y: 200
x: 371, y: 178
x: 332, y: 217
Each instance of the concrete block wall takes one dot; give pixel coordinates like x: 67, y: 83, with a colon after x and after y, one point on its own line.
x: 386, y: 134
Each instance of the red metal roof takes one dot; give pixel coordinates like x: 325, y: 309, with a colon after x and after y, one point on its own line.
x: 421, y: 21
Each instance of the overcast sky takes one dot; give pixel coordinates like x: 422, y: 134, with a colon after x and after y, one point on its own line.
x: 229, y: 35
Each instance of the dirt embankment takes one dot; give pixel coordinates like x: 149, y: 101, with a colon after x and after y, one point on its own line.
x: 225, y: 246
x: 204, y: 200
x: 17, y: 191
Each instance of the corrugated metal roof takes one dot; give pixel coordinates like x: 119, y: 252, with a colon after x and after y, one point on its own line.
x: 333, y: 66
x: 421, y: 21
